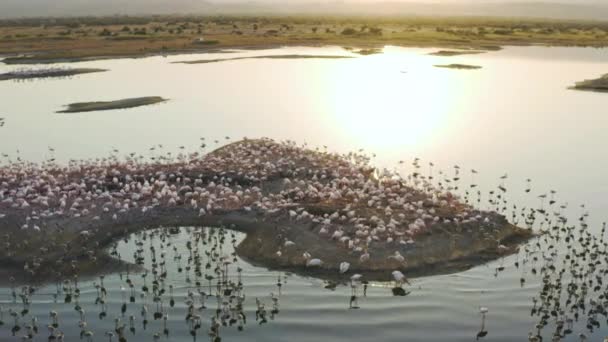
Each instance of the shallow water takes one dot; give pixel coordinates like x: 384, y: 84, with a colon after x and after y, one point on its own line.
x: 438, y: 308
x: 515, y: 116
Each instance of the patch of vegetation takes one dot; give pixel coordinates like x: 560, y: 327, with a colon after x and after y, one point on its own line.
x: 349, y: 31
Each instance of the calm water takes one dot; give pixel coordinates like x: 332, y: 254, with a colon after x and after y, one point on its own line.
x: 514, y: 116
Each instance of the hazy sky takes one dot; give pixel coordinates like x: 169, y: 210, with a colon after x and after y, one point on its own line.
x: 575, y: 9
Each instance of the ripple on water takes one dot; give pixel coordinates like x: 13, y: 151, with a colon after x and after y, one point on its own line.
x: 439, y: 308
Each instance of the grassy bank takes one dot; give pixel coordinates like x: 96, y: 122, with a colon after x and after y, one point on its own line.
x: 458, y: 66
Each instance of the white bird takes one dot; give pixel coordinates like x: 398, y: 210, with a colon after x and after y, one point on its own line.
x: 364, y: 257
x: 397, y: 256
x: 344, y: 266
x: 314, y: 263
x: 399, y: 277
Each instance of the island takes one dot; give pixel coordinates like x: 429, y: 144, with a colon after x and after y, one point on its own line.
x: 598, y: 84
x: 451, y: 53
x: 204, y: 61
x: 367, y: 52
x: 304, y: 210
x: 458, y: 66
x: 111, y: 105
x: 46, y: 73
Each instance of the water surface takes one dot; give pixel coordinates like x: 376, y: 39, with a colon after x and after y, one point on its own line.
x: 514, y: 116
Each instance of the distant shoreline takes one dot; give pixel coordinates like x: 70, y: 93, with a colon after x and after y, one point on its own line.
x: 87, y: 39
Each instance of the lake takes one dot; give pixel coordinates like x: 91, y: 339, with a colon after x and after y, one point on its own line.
x: 514, y: 116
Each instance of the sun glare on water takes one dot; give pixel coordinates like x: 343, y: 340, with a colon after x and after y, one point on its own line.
x: 389, y: 100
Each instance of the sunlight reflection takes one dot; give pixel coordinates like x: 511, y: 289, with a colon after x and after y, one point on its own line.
x: 391, y: 100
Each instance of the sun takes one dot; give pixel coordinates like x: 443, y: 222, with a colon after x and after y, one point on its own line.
x: 389, y: 100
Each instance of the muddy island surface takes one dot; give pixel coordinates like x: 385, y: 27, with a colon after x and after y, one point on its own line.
x: 303, y: 210
x: 458, y: 66
x: 598, y: 84
x: 111, y: 105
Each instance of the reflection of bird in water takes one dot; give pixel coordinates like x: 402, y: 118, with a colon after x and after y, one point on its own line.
x: 275, y: 305
x: 260, y: 313
x: 230, y: 294
x: 279, y: 283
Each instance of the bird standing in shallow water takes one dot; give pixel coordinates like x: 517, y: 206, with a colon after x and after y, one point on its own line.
x: 482, y: 332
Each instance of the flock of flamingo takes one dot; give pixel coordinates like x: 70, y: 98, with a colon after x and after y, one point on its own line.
x: 56, y: 219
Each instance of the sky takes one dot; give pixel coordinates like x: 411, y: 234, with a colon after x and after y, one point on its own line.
x: 565, y: 9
